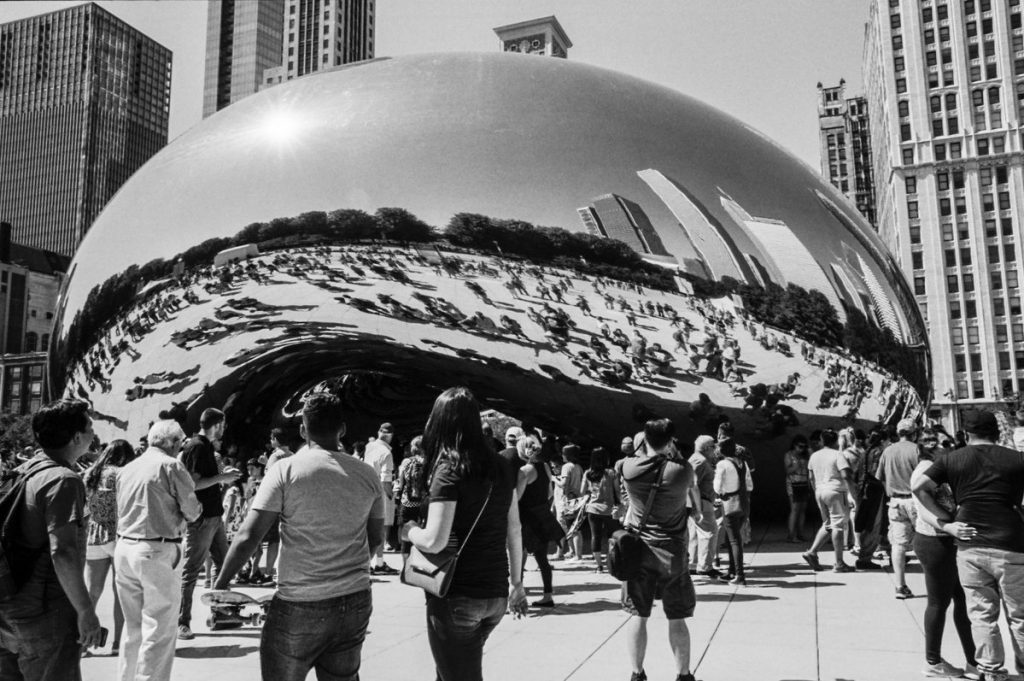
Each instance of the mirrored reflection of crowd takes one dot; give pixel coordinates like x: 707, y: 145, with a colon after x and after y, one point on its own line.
x: 314, y: 522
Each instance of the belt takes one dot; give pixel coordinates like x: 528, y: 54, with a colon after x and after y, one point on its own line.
x: 894, y: 495
x: 162, y: 540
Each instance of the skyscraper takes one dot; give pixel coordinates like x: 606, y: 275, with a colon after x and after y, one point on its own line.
x: 544, y: 36
x: 243, y: 39
x: 322, y: 34
x: 945, y: 86
x: 84, y: 102
x: 845, y: 138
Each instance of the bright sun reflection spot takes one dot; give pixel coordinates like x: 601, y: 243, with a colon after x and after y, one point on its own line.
x: 280, y: 127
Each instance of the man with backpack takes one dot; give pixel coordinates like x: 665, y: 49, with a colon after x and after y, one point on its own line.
x: 47, y: 616
x: 659, y: 484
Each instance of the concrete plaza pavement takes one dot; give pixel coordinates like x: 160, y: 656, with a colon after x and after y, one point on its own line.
x: 787, y: 624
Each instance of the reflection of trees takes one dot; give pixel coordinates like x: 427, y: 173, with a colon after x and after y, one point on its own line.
x: 807, y: 314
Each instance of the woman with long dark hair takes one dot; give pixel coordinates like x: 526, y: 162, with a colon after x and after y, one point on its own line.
x: 101, y: 497
x: 468, y: 484
x: 600, y: 483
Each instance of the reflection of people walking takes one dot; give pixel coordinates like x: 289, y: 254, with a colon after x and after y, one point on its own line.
x: 155, y: 499
x: 664, y: 568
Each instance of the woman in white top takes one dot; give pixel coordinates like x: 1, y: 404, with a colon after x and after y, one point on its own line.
x: 732, y: 479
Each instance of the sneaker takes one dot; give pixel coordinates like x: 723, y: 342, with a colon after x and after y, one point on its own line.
x: 971, y: 672
x: 384, y: 569
x: 738, y: 580
x: 547, y: 603
x: 812, y: 560
x: 184, y: 633
x: 841, y: 567
x: 867, y: 565
x: 685, y: 677
x: 942, y: 669
x: 904, y: 592
x: 638, y: 676
x: 998, y: 675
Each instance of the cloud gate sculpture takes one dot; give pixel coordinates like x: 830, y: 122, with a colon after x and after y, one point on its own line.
x: 581, y: 248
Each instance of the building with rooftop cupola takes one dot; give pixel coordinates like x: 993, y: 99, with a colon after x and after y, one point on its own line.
x: 845, y: 142
x: 544, y: 36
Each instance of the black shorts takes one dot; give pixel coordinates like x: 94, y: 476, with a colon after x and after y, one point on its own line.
x: 664, y: 574
x: 799, y: 492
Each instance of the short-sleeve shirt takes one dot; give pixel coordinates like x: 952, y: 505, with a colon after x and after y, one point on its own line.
x: 200, y: 458
x: 54, y: 498
x: 826, y: 465
x: 667, y: 517
x: 987, y: 483
x: 704, y: 473
x: 325, y: 500
x: 482, y: 570
x: 897, y: 465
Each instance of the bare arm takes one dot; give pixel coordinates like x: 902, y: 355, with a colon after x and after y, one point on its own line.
x: 434, y: 537
x: 923, y: 489
x: 514, y: 545
x: 219, y: 479
x: 69, y: 564
x: 374, y: 534
x: 527, y: 475
x: 247, y: 539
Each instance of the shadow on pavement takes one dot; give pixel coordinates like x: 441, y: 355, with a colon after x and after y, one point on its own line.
x: 216, y: 651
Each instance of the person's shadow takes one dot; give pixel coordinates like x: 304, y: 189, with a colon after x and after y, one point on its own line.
x: 218, y: 651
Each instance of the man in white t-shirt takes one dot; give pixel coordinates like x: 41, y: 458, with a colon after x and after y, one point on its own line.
x: 378, y: 455
x: 332, y: 520
x: 1018, y: 432
x: 832, y: 480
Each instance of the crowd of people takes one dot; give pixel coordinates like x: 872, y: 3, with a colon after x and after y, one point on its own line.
x: 311, y: 521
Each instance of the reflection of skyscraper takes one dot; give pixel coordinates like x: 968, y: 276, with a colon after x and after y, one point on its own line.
x: 849, y: 291
x: 709, y: 238
x: 84, y: 103
x: 763, y: 264
x: 619, y: 218
x: 882, y: 305
x: 243, y: 39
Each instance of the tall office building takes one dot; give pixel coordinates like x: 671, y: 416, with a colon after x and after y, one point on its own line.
x: 544, y: 36
x: 619, y: 218
x: 845, y: 139
x: 946, y: 94
x: 84, y: 102
x: 322, y: 34
x: 243, y: 39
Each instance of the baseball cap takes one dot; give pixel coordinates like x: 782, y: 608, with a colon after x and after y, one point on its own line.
x: 386, y: 428
x: 906, y: 426
x: 570, y: 450
x: 980, y: 422
x: 513, y: 434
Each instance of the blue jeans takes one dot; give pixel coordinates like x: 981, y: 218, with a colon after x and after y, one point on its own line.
x: 457, y: 628
x: 323, y: 635
x: 993, y: 577
x: 40, y: 646
x: 203, y: 537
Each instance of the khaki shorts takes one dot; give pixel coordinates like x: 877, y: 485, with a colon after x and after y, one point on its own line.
x: 902, y: 517
x: 834, y: 509
x: 100, y: 551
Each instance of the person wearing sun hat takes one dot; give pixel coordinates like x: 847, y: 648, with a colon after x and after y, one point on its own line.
x: 987, y: 481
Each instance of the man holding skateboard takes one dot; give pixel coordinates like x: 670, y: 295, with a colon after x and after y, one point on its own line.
x: 331, y: 510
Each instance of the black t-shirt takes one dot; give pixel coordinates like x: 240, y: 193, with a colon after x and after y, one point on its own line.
x: 482, y: 569
x: 199, y: 457
x: 987, y: 483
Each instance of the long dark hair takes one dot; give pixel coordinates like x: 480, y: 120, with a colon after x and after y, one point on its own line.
x: 117, y: 453
x: 455, y: 434
x: 598, y: 464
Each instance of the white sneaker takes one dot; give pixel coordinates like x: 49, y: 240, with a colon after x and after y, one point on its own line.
x: 942, y: 669
x: 971, y: 672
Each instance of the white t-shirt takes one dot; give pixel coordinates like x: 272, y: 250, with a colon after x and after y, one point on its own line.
x: 325, y: 500
x: 826, y: 465
x: 1018, y: 438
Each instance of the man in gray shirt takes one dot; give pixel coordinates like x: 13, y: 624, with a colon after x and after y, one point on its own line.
x: 331, y: 510
x: 895, y: 467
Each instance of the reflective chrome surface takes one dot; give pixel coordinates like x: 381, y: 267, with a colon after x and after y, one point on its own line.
x: 148, y: 319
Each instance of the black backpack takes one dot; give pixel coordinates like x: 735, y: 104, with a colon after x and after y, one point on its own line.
x: 12, y: 500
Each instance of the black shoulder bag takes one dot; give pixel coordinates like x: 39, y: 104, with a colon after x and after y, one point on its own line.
x: 625, y: 547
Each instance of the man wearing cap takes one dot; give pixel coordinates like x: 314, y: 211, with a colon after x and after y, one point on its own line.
x: 509, y: 453
x: 987, y: 481
x: 895, y: 467
x: 378, y: 455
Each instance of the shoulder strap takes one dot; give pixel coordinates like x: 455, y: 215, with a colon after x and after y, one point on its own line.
x: 465, y: 539
x: 650, y: 497
x: 741, y: 475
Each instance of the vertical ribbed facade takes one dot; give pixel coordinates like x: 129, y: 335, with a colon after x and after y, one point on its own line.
x: 844, y: 133
x: 243, y: 39
x: 945, y: 89
x: 323, y: 34
x: 84, y: 102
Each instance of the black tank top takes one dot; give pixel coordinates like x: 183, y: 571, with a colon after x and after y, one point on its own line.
x: 536, y: 493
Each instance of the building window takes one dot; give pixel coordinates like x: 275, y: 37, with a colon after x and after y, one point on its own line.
x: 917, y: 260
x: 998, y: 309
x: 990, y: 229
x: 945, y: 207
x: 912, y: 212
x: 901, y: 85
x: 954, y: 152
x: 973, y: 338
x: 950, y: 255
x: 947, y: 232
x: 958, y: 335
x: 993, y: 254
x: 954, y: 309
x: 940, y: 152
x: 971, y: 309
x: 919, y: 287
x: 968, y: 278
x: 908, y: 156
x: 952, y: 281
x: 960, y: 363
x: 915, y: 234
x: 997, y: 281
x: 894, y: 21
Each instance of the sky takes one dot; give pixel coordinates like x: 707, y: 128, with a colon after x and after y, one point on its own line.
x: 759, y: 60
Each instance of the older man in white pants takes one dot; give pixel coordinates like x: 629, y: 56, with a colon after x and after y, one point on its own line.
x: 155, y: 499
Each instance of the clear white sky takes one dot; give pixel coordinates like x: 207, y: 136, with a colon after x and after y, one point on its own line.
x: 759, y: 60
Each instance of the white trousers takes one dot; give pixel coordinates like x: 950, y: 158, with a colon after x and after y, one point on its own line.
x: 148, y: 581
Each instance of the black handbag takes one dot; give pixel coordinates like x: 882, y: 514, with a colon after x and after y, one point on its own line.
x: 625, y: 547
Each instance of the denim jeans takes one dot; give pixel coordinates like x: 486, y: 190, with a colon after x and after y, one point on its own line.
x: 323, y: 635
x: 41, y: 646
x: 992, y: 576
x: 203, y: 537
x: 457, y: 628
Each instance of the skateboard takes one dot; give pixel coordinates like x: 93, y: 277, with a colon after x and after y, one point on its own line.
x: 233, y: 609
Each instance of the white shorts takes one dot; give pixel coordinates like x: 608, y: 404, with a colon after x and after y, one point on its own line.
x: 100, y: 551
